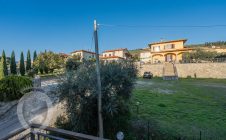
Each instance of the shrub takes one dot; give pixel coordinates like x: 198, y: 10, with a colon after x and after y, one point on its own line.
x: 11, y: 87
x: 161, y: 105
x: 72, y: 64
x: 31, y: 73
x: 80, y: 92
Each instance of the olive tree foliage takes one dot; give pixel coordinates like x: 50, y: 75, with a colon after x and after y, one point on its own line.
x: 199, y: 55
x: 73, y: 63
x: 48, y: 61
x: 79, y: 90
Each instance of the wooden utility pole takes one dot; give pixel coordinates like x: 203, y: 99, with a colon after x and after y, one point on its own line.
x: 100, y: 119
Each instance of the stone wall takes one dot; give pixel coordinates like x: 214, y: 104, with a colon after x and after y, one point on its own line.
x: 156, y: 69
x: 200, y: 70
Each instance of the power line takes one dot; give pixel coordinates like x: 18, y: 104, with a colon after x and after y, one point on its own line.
x: 163, y: 26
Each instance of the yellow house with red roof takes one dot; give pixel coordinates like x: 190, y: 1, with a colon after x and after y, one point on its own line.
x: 165, y: 51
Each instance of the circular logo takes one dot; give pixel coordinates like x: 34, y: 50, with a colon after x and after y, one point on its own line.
x: 120, y: 135
x: 35, y: 107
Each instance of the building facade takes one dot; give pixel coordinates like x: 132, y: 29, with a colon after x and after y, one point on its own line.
x: 145, y: 56
x: 84, y: 55
x: 115, y: 55
x: 165, y: 51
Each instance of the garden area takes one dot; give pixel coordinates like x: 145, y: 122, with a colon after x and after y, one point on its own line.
x: 185, y: 109
x: 16, y: 76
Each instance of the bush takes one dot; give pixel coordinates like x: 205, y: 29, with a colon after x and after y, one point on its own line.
x: 80, y: 92
x: 11, y: 87
x: 161, y: 105
x: 31, y: 73
x: 72, y: 64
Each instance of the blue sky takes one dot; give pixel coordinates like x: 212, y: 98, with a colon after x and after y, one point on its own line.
x: 67, y: 25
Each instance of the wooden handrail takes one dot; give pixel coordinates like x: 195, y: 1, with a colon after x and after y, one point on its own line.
x: 68, y: 133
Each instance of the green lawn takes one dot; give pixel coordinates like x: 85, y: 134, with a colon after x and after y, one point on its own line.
x: 184, y: 107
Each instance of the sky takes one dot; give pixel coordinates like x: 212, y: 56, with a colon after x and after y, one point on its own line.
x: 67, y: 25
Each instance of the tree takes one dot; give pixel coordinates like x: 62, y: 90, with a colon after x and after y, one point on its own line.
x: 72, y: 64
x: 200, y: 55
x: 2, y: 75
x: 79, y: 90
x: 28, y: 64
x: 5, y: 69
x: 13, y: 68
x: 22, y: 66
x: 35, y: 56
x: 48, y: 61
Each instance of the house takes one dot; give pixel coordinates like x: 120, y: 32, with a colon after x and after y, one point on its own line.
x: 83, y: 55
x: 165, y: 51
x: 115, y: 55
x: 145, y: 56
x: 64, y: 55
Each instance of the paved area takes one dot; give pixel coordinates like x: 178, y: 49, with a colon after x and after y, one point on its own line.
x: 9, y: 122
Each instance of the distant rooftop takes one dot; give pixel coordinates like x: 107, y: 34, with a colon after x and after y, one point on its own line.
x: 106, y: 57
x: 169, y: 41
x: 121, y: 49
x: 83, y: 51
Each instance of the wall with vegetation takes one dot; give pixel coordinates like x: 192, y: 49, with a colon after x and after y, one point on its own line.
x: 200, y: 70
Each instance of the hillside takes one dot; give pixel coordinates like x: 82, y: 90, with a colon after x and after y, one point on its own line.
x: 221, y: 44
x: 136, y: 52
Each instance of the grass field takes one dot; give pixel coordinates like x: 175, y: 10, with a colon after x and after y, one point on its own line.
x: 184, y: 107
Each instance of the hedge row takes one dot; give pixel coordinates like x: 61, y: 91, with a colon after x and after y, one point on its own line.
x: 11, y: 87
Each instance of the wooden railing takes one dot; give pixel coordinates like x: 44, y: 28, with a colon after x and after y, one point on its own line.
x: 38, y: 132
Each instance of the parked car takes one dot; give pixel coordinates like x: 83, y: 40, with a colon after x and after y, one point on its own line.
x: 148, y: 75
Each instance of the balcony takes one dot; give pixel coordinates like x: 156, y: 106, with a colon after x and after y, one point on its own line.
x: 38, y: 132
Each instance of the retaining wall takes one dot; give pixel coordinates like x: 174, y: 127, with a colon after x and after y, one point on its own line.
x: 200, y: 70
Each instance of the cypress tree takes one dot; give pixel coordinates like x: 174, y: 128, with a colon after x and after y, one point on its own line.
x: 28, y: 65
x: 13, y: 64
x: 5, y: 68
x: 22, y: 67
x: 2, y: 75
x: 35, y: 56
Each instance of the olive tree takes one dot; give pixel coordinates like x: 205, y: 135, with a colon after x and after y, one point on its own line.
x: 79, y: 90
x: 48, y: 61
x: 199, y: 55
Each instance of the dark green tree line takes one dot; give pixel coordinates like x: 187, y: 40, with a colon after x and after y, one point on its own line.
x: 13, y: 68
x: 28, y: 63
x: 22, y: 66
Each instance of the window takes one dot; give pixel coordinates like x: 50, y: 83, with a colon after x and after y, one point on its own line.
x: 169, y: 46
x: 109, y: 54
x: 156, y: 48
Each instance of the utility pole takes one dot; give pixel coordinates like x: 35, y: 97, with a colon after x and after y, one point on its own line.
x: 100, y: 119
